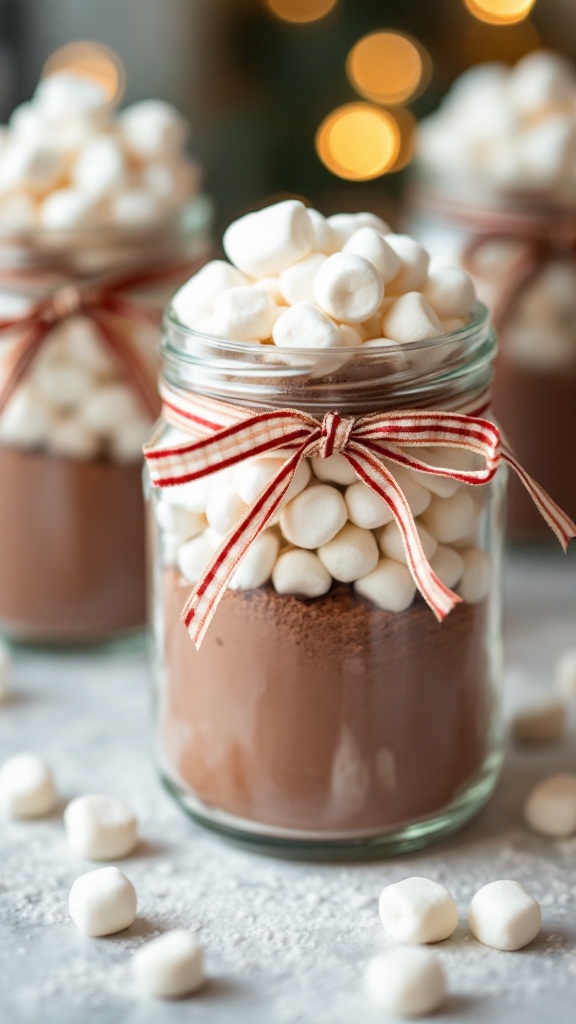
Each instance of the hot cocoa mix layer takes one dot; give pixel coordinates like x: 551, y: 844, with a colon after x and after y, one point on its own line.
x: 538, y: 413
x: 71, y: 547
x: 325, y: 715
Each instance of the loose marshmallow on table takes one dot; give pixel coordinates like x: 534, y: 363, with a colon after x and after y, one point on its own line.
x: 302, y: 573
x: 314, y: 517
x: 504, y: 915
x: 169, y: 966
x: 566, y: 672
x: 418, y: 910
x: 27, y: 787
x: 348, y: 287
x: 266, y: 242
x: 389, y: 586
x: 100, y: 827
x: 540, y: 721
x: 352, y: 553
x: 406, y: 982
x: 551, y: 806
x: 103, y: 902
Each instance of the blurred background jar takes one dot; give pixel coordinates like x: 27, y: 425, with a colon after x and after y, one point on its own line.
x: 98, y: 225
x: 495, y: 188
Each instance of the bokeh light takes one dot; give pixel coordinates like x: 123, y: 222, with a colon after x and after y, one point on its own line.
x: 358, y: 141
x: 93, y: 61
x: 507, y: 43
x: 300, y: 11
x: 407, y: 128
x: 388, y: 67
x: 500, y: 12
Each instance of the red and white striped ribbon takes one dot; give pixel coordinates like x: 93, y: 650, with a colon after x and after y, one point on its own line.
x: 226, y: 435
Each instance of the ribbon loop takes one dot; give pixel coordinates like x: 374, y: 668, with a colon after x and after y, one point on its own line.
x: 336, y: 431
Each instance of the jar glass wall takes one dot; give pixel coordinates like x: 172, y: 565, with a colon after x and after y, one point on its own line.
x: 351, y: 720
x: 520, y: 251
x: 75, y: 407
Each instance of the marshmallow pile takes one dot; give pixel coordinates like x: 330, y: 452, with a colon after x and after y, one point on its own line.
x: 69, y: 160
x: 512, y: 128
x: 331, y: 527
x: 299, y: 280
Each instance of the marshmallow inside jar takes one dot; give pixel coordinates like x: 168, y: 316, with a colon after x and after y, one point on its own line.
x: 95, y: 231
x: 309, y: 696
x: 495, y: 190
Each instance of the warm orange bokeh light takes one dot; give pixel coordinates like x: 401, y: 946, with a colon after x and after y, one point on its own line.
x: 300, y: 11
x: 358, y: 141
x: 500, y: 12
x: 387, y: 67
x: 93, y: 61
x: 407, y: 128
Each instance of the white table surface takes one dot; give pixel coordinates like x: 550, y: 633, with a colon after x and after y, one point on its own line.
x: 285, y: 942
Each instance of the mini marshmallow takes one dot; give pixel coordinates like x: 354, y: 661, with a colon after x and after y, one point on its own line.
x: 25, y: 419
x: 252, y: 476
x: 305, y: 326
x: 406, y: 982
x: 551, y: 806
x: 244, y: 313
x: 365, y: 507
x: 195, y: 299
x: 297, y: 282
x: 477, y: 576
x: 335, y: 469
x: 4, y: 671
x: 267, y: 284
x: 100, y: 827
x: 33, y: 166
x: 266, y: 242
x: 179, y: 520
x: 256, y: 567
x: 540, y: 721
x: 67, y: 436
x: 224, y: 507
x: 450, y: 292
x: 195, y: 556
x: 504, y: 915
x: 64, y: 95
x: 344, y: 225
x: 79, y: 340
x: 63, y: 386
x: 348, y: 287
x: 417, y: 495
x: 540, y: 80
x: 418, y: 910
x: 389, y: 586
x: 349, y: 336
x: 128, y: 439
x: 152, y: 129
x: 566, y: 672
x: 324, y: 238
x: 441, y: 458
x: 100, y: 167
x: 133, y: 207
x: 302, y: 573
x: 102, y: 902
x: 414, y: 262
x: 392, y: 545
x: 27, y: 787
x: 448, y: 565
x: 108, y: 407
x: 193, y: 495
x: 352, y: 553
x: 411, y: 318
x: 373, y: 247
x: 449, y: 519
x: 169, y: 966
x: 68, y: 208
x: 314, y: 517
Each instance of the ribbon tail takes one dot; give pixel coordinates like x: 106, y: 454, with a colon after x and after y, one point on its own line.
x: 201, y: 606
x: 371, y: 471
x: 560, y: 523
x: 136, y: 372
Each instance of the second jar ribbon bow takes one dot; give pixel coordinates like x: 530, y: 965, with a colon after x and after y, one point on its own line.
x: 107, y: 300
x: 228, y: 435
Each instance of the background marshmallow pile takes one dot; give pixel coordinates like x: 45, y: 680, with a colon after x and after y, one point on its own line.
x: 513, y: 128
x: 299, y: 280
x: 69, y: 160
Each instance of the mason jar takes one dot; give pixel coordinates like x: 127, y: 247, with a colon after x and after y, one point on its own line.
x: 521, y: 251
x: 326, y: 708
x: 79, y: 329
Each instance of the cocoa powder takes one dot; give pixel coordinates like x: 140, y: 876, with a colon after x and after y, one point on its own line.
x: 326, y: 715
x: 71, y: 547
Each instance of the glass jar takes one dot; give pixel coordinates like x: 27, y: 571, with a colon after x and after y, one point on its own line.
x: 350, y: 720
x: 521, y: 252
x: 79, y: 329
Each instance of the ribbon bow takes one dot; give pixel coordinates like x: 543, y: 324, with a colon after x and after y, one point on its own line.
x: 107, y: 301
x: 232, y: 434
